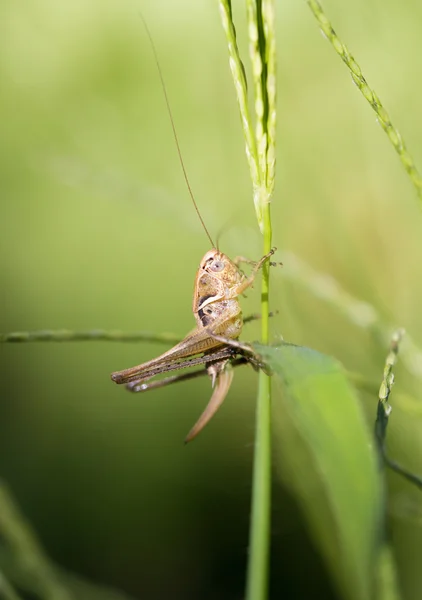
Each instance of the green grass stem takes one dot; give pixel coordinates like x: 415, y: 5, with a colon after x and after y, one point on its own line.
x: 384, y: 409
x: 94, y: 335
x: 260, y: 152
x: 369, y: 94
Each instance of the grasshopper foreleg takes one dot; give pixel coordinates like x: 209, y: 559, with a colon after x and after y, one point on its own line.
x: 248, y: 281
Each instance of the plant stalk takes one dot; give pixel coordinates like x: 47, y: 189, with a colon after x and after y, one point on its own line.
x: 259, y: 534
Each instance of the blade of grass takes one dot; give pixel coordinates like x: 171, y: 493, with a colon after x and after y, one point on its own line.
x: 384, y: 410
x: 241, y: 87
x: 6, y: 589
x: 369, y: 94
x: 97, y: 335
x: 94, y: 335
x: 21, y: 540
x: 324, y: 455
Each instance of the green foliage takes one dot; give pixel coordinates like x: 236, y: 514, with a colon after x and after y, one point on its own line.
x: 324, y: 455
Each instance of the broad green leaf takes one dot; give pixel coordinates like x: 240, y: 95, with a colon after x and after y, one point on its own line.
x: 325, y: 455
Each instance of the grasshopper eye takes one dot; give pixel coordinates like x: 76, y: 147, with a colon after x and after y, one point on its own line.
x: 217, y: 266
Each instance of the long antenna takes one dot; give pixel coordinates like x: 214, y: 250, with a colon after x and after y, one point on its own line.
x: 176, y: 139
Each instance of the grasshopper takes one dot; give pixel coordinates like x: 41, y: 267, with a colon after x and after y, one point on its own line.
x: 219, y: 321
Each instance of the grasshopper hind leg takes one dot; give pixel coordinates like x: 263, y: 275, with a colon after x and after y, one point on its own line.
x: 140, y: 385
x: 222, y: 377
x: 221, y: 374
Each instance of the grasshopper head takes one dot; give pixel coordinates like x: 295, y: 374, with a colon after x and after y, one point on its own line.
x: 215, y: 262
x: 219, y: 266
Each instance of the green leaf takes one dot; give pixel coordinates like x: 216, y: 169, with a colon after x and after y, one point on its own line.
x: 325, y: 455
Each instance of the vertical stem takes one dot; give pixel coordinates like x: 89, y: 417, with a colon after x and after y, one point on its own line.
x: 260, y: 151
x: 259, y: 535
x: 265, y: 285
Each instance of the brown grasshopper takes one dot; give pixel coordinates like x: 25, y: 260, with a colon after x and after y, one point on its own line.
x: 219, y: 322
x: 218, y: 315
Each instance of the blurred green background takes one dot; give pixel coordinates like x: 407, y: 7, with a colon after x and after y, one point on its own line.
x: 98, y: 231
